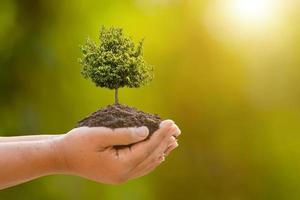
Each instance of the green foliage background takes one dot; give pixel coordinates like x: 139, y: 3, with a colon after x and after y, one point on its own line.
x: 236, y: 98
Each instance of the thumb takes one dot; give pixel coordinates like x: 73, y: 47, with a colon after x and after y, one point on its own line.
x: 126, y: 136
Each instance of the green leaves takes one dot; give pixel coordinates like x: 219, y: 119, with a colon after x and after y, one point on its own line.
x: 116, y: 62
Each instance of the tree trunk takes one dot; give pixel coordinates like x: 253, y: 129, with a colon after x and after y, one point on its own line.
x: 116, y: 96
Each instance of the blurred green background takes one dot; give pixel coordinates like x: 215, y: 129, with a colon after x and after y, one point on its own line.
x: 226, y: 71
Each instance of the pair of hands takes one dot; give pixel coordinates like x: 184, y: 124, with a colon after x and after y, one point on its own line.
x: 92, y: 152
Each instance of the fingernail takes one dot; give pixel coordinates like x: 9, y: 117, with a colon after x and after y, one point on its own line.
x: 174, y: 138
x: 142, y: 131
x: 167, y: 122
x: 176, y: 144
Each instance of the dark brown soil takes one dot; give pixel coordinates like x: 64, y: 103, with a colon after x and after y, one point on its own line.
x: 118, y: 116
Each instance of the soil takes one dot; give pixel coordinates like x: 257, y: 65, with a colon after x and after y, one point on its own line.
x: 119, y: 116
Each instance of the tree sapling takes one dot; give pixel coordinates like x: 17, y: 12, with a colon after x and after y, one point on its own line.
x: 114, y: 63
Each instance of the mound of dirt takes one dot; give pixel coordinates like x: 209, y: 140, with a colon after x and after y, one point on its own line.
x: 119, y: 116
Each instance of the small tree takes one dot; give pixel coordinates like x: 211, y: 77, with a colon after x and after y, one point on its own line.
x: 116, y: 62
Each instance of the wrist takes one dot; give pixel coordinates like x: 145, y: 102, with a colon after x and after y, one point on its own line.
x: 57, y: 157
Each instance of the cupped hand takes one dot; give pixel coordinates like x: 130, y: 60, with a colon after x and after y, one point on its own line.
x: 95, y: 153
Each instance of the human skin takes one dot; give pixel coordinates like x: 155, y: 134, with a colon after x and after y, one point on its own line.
x: 87, y: 152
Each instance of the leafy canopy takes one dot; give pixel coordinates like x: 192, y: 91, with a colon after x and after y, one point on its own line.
x: 116, y: 62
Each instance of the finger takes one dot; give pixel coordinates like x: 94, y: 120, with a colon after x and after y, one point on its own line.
x: 142, y: 150
x: 156, y: 153
x: 126, y: 136
x: 146, y: 167
x: 149, y: 168
x: 171, y: 122
x: 177, y: 133
x: 163, y: 146
x: 168, y: 141
x: 122, y: 136
x: 167, y: 144
x: 171, y: 148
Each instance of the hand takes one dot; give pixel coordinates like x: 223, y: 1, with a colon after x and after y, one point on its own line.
x: 92, y: 152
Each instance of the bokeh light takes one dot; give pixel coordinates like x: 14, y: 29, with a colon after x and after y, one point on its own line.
x: 253, y: 11
x: 244, y: 19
